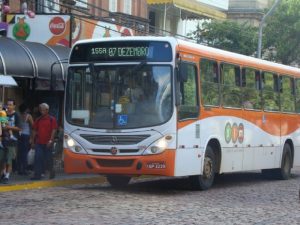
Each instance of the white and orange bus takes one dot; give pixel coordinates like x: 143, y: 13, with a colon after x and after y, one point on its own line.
x: 162, y: 106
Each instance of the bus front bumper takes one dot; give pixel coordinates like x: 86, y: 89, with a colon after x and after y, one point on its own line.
x: 160, y: 164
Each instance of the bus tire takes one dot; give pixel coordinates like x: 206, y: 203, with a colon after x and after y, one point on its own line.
x: 206, y: 180
x: 284, y: 172
x: 118, y: 180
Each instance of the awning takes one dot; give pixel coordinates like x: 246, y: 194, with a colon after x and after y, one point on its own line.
x: 7, y: 81
x: 32, y: 59
x: 193, y: 6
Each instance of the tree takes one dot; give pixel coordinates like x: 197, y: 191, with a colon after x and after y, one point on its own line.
x: 227, y: 35
x: 282, y: 33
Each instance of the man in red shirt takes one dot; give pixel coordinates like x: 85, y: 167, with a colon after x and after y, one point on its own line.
x: 44, y: 129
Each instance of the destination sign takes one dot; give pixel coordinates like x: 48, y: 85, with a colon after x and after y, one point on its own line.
x: 122, y: 51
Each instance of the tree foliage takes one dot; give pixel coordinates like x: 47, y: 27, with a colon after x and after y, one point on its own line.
x: 282, y: 32
x: 227, y: 35
x: 281, y: 35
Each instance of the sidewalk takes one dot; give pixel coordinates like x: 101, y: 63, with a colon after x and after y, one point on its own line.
x: 18, y: 182
x: 23, y: 182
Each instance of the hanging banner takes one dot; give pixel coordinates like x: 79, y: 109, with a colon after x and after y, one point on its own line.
x: 46, y: 29
x: 55, y: 29
x: 88, y: 29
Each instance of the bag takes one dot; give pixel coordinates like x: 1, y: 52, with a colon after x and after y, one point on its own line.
x: 30, y: 156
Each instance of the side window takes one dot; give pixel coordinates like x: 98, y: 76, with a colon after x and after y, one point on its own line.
x: 297, y: 92
x: 189, y: 98
x: 287, y: 94
x: 270, y: 91
x: 209, y: 82
x: 251, y: 89
x: 230, y: 85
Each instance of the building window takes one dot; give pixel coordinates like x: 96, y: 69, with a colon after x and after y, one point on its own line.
x: 127, y: 6
x: 113, y: 5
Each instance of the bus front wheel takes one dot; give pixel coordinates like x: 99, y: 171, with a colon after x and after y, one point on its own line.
x: 118, y: 180
x: 206, y: 180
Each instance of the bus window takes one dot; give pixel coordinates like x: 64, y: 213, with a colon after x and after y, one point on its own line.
x: 189, y: 102
x: 251, y: 90
x: 209, y: 82
x: 287, y: 94
x: 270, y: 91
x: 80, y: 95
x: 230, y: 87
x: 297, y: 92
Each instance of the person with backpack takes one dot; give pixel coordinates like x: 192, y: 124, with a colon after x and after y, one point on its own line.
x: 43, y: 134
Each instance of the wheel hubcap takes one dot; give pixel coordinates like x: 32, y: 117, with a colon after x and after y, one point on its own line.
x: 207, y: 172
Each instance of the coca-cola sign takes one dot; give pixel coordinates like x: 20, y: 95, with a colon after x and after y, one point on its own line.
x: 57, y: 25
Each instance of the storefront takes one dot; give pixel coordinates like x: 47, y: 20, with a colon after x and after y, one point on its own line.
x: 39, y: 70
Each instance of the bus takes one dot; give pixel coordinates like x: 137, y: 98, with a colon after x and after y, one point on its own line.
x: 168, y: 107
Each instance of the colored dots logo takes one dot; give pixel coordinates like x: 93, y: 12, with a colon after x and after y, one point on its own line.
x: 241, y: 133
x: 228, y: 132
x: 234, y: 132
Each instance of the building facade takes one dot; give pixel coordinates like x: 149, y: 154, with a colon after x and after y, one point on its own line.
x: 179, y: 17
x: 250, y: 11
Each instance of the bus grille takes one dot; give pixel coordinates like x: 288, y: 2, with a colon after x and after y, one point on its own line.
x: 115, y: 163
x: 114, y: 139
x: 120, y: 150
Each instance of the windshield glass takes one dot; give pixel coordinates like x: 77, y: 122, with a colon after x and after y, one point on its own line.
x: 119, y: 97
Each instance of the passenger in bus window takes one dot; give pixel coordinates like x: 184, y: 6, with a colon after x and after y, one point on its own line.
x: 247, y: 104
x: 134, y: 92
x: 249, y: 99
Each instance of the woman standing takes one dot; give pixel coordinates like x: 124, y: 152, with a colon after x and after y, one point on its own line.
x: 24, y: 139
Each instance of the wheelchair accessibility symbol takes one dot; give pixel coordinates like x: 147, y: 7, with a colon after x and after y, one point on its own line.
x: 122, y: 120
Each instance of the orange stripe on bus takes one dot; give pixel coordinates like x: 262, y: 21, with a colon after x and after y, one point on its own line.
x: 276, y: 123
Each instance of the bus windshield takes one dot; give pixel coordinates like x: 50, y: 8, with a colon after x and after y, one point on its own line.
x: 119, y: 96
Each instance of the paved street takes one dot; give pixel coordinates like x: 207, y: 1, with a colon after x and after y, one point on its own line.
x: 235, y: 199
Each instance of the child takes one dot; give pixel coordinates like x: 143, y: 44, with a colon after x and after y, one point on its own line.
x: 3, y: 123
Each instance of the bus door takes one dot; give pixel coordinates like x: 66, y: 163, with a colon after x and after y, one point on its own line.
x: 271, y: 125
x: 231, y: 95
x: 253, y: 118
x: 188, y: 160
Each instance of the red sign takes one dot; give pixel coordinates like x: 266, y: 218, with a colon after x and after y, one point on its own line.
x: 57, y: 25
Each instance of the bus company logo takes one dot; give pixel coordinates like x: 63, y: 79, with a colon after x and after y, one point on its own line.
x: 114, y: 140
x: 57, y: 25
x: 113, y: 150
x: 234, y: 132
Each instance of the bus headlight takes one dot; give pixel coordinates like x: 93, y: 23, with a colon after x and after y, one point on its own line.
x: 159, y: 146
x: 71, y: 144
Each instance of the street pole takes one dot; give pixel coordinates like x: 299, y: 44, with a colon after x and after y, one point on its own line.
x: 261, y: 27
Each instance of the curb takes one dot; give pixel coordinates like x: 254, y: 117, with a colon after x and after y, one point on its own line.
x: 51, y: 183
